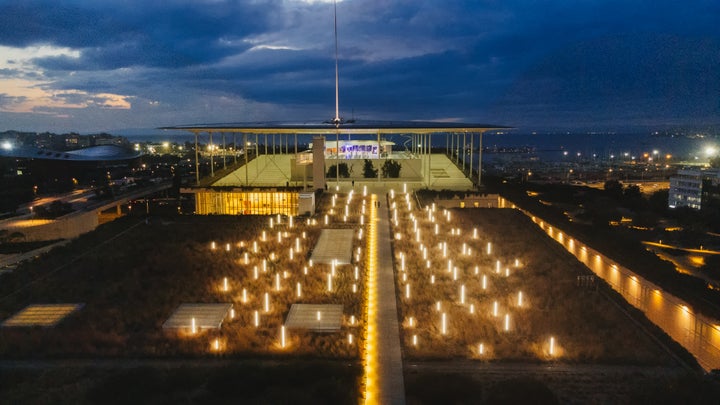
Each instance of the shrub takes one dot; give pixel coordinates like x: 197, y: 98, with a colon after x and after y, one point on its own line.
x: 369, y: 171
x: 391, y: 169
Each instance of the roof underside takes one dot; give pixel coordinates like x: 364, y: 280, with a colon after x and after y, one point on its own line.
x: 328, y: 127
x: 90, y: 154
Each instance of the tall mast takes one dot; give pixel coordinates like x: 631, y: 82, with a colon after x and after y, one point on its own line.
x: 337, y: 97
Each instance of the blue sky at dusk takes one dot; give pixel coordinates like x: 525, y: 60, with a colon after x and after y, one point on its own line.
x: 108, y: 65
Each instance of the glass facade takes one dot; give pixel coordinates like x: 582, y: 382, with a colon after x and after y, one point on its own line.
x: 231, y: 202
x: 686, y: 188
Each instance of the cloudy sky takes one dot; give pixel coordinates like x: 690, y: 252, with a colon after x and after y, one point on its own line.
x: 116, y: 64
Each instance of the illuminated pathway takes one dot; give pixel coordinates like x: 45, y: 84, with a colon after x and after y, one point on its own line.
x: 697, y: 333
x: 383, y: 360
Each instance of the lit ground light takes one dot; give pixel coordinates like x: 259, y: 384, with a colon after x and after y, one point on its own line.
x: 275, y: 273
x: 481, y: 284
x: 370, y: 354
x: 257, y: 266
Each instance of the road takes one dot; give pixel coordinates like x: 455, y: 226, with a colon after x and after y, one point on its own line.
x: 75, y: 196
x: 646, y: 187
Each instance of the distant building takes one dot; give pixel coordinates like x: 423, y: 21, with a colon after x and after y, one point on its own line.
x: 694, y: 188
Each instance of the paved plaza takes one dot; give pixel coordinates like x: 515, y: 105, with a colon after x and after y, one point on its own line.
x: 275, y: 171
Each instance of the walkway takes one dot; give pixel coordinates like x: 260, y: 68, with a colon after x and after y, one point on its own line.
x: 388, y: 384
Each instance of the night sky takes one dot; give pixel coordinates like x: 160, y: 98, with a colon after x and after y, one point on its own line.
x: 112, y: 65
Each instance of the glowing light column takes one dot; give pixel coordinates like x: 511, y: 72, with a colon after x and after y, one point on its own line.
x: 371, y: 355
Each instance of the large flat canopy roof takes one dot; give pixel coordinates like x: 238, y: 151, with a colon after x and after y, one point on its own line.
x: 90, y: 154
x: 350, y: 126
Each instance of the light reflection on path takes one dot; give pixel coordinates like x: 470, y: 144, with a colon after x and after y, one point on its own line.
x: 697, y: 333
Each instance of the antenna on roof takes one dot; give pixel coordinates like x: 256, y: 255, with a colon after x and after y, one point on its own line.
x: 337, y: 119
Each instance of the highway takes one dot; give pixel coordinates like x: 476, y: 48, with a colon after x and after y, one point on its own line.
x: 75, y: 196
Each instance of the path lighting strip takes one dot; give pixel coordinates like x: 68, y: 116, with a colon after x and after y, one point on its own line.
x: 371, y: 354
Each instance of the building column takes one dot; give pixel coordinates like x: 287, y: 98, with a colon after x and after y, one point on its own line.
x: 379, y: 169
x: 479, y: 157
x: 429, y: 177
x: 212, y: 152
x: 245, y: 152
x: 318, y: 165
x: 472, y: 151
x: 235, y: 148
x: 197, y: 160
x: 464, y: 150
x: 224, y: 149
x: 452, y: 145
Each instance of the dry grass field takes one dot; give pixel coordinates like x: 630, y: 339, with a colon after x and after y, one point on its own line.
x: 505, y: 292
x: 505, y: 289
x: 131, y: 284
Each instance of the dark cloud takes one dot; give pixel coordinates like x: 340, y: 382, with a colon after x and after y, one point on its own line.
x: 9, y: 72
x: 7, y: 101
x: 119, y: 34
x: 511, y: 62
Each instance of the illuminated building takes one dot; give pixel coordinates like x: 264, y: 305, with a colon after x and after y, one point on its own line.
x: 282, y: 183
x: 694, y: 188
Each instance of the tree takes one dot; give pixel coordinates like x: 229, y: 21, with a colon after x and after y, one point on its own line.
x: 658, y: 201
x: 344, y: 171
x: 391, y: 169
x: 369, y: 171
x: 601, y: 212
x: 632, y: 191
x: 614, y: 189
x: 633, y: 198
